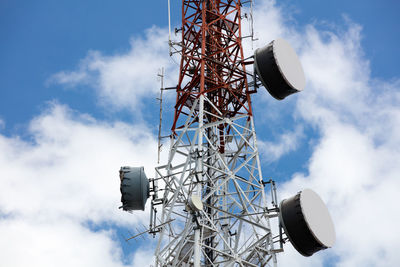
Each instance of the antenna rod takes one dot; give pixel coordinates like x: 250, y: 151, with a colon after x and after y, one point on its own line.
x: 169, y: 28
x: 161, y: 101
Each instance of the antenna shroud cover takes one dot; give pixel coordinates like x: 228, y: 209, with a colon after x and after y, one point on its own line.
x: 279, y: 69
x: 307, y: 222
x: 135, y: 188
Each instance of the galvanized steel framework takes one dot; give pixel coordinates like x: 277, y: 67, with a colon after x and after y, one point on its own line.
x: 213, y: 152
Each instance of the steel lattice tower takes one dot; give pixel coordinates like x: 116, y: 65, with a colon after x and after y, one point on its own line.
x: 211, y: 190
x: 213, y: 154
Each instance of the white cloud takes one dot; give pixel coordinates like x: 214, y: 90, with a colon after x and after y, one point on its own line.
x: 66, y: 176
x: 287, y: 142
x: 124, y: 80
x: 32, y: 243
x: 73, y: 78
x: 359, y: 181
x: 269, y: 22
x: 71, y: 156
x: 143, y: 257
x: 355, y: 163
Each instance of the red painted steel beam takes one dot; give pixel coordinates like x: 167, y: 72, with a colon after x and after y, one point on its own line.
x: 212, y: 60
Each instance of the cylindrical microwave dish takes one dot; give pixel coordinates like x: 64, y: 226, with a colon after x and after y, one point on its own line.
x: 135, y: 188
x: 279, y: 69
x: 307, y: 222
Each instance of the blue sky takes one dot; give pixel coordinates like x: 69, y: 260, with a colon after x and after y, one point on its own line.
x: 44, y: 37
x: 77, y: 100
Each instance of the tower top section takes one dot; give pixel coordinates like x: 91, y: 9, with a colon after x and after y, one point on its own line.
x: 212, y: 62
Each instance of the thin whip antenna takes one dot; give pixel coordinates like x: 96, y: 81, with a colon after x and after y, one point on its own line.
x: 169, y: 28
x: 252, y: 24
x: 161, y: 75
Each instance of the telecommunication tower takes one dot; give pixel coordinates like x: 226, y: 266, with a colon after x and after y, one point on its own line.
x: 209, y: 202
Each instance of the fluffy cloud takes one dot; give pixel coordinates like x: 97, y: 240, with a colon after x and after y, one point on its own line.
x: 355, y: 161
x: 62, y: 183
x: 285, y: 143
x: 359, y: 181
x: 43, y: 243
x: 124, y: 80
